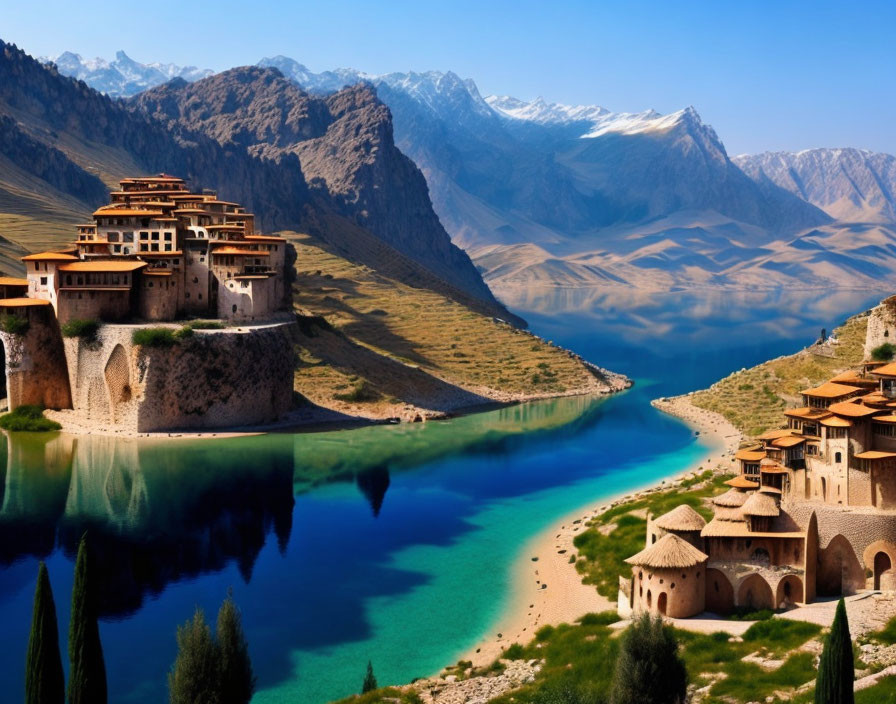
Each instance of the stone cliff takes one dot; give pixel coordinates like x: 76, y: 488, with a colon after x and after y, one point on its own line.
x: 234, y: 377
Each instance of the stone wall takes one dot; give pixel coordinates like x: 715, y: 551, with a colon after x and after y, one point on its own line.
x: 35, y: 360
x: 881, y: 325
x: 213, y: 379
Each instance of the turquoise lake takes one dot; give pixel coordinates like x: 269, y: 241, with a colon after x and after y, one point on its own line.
x: 393, y: 544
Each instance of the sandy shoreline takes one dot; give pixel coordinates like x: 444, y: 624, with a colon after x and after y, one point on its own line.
x: 549, y: 590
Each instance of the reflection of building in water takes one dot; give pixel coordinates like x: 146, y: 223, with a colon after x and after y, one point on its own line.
x: 813, y: 510
x: 156, y: 513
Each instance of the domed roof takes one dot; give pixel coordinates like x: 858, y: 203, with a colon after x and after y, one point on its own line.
x: 670, y: 552
x: 767, y: 462
x: 681, y: 518
x: 729, y: 513
x: 761, y: 504
x: 730, y: 499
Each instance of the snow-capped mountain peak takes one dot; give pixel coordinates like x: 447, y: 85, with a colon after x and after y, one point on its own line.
x: 543, y: 112
x: 124, y: 76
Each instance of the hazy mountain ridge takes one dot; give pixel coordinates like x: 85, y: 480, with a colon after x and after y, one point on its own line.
x: 849, y: 184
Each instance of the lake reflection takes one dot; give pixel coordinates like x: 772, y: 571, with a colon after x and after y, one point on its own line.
x: 391, y: 543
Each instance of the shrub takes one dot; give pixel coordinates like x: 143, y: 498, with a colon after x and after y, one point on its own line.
x: 28, y: 419
x: 14, y: 324
x: 185, y: 332
x: 649, y: 668
x: 77, y: 327
x: 154, y: 337
x: 207, y: 325
x: 884, y: 352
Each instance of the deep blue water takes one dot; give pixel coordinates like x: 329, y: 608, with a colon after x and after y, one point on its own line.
x: 393, y: 544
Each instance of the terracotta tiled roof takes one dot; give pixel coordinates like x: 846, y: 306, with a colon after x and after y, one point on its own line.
x: 240, y: 251
x: 741, y: 482
x: 852, y: 410
x: 750, y: 455
x: 888, y: 370
x: 22, y: 302
x: 49, y: 257
x: 789, y: 441
x: 107, y: 212
x: 835, y: 422
x: 875, y: 455
x: 104, y: 265
x: 12, y: 281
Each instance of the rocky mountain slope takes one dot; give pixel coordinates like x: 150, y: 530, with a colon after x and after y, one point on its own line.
x: 63, y: 145
x: 848, y: 184
x: 344, y: 143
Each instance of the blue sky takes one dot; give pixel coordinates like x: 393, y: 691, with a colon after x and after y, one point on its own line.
x: 766, y: 75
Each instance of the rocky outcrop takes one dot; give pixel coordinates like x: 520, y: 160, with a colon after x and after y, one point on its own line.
x: 347, y: 152
x: 235, y: 377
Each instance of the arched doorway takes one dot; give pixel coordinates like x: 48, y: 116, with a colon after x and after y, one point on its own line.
x: 754, y: 593
x: 882, y: 563
x: 839, y: 570
x: 790, y: 591
x: 661, y: 603
x: 719, y: 592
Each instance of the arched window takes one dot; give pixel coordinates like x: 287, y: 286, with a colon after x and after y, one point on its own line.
x: 838, y: 457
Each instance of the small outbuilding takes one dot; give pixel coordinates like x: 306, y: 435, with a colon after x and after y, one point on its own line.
x: 668, y: 578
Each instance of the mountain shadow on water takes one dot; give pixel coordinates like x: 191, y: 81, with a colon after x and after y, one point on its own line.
x: 373, y: 483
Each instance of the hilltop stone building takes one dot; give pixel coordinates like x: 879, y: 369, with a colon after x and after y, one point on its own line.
x: 158, y: 252
x: 811, y: 512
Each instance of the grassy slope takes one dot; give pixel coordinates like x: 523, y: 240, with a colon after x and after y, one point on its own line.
x: 393, y: 344
x: 754, y: 399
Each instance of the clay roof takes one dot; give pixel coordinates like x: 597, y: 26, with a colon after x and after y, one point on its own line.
x: 835, y: 422
x: 768, y: 462
x: 681, y: 518
x: 49, y: 257
x: 265, y: 238
x: 107, y: 212
x: 730, y: 499
x: 230, y: 226
x: 805, y: 412
x: 741, y: 482
x: 12, y: 281
x: 851, y: 376
x: 157, y: 272
x: 22, y: 302
x: 885, y: 370
x: 176, y: 253
x: 885, y: 419
x: 775, y: 434
x: 853, y: 410
x: 750, y: 455
x: 104, y: 265
x: 875, y: 455
x: 760, y: 504
x: 830, y: 389
x: 671, y: 552
x: 789, y: 441
x: 239, y: 251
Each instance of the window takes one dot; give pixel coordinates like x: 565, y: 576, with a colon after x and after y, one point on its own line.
x: 43, y: 280
x: 117, y: 248
x: 195, y: 279
x: 144, y: 235
x: 112, y: 236
x: 154, y: 247
x: 144, y: 247
x: 234, y: 308
x: 199, y: 296
x: 127, y: 236
x: 155, y: 236
x: 167, y: 246
x: 187, y: 294
x: 838, y: 457
x: 167, y: 236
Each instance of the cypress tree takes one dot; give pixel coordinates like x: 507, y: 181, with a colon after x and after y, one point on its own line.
x: 237, y: 680
x: 369, y: 680
x: 87, y: 671
x: 44, y: 679
x: 836, y: 668
x: 649, y: 669
x: 195, y: 677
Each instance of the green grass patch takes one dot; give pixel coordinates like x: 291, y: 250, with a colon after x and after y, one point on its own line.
x: 780, y: 635
x: 602, y: 557
x: 86, y: 329
x: 886, y: 635
x: 747, y: 682
x: 14, y: 324
x: 154, y: 337
x: 207, y: 325
x: 28, y: 419
x: 386, y: 695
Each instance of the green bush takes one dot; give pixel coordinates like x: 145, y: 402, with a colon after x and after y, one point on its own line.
x: 207, y: 325
x: 185, y: 332
x: 28, y: 419
x: 884, y: 352
x: 154, y: 337
x: 14, y: 324
x: 77, y: 327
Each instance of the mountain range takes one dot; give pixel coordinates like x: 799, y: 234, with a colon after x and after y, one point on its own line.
x: 63, y: 145
x: 548, y: 195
